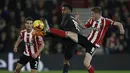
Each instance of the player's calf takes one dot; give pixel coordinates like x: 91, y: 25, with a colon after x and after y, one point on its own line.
x: 33, y: 71
x: 18, y: 68
x: 87, y: 60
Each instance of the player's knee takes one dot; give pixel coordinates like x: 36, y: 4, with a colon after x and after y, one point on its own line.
x: 68, y: 33
x: 17, y: 70
x: 72, y: 35
x: 66, y: 61
x: 68, y: 56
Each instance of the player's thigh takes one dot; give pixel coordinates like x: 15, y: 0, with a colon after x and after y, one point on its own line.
x: 73, y: 36
x: 91, y: 50
x: 34, y: 63
x: 23, y: 60
x: 84, y: 42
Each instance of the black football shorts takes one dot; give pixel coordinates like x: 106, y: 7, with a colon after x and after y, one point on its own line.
x: 25, y: 59
x: 84, y: 42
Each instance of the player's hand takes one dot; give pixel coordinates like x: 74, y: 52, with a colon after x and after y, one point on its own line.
x: 34, y: 56
x: 15, y: 49
x: 77, y: 16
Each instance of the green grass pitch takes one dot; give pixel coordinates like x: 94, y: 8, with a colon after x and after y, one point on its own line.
x: 77, y: 71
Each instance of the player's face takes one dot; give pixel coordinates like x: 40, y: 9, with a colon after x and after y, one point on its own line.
x: 94, y: 15
x: 29, y: 24
x: 65, y: 10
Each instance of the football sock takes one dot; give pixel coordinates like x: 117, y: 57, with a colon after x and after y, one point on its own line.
x: 90, y: 69
x: 65, y: 69
x: 58, y: 32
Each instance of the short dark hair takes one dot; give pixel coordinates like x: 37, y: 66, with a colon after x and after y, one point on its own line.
x: 28, y: 18
x: 96, y: 10
x: 69, y: 7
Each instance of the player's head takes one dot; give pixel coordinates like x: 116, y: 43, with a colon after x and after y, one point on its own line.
x: 28, y: 23
x: 67, y: 9
x: 96, y: 12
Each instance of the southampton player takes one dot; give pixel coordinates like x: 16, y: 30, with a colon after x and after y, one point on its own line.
x: 99, y: 26
x: 33, y: 47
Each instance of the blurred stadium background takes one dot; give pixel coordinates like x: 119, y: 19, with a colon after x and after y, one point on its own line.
x: 114, y: 53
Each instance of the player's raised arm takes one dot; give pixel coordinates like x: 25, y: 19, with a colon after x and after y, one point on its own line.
x: 19, y: 40
x: 41, y: 43
x: 41, y: 47
x: 81, y: 24
x: 120, y: 27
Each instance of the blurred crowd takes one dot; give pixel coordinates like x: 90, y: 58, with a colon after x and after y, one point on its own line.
x: 13, y: 13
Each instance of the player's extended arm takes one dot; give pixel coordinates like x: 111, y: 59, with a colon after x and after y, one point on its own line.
x: 19, y: 40
x: 120, y: 27
x: 81, y: 24
x: 40, y: 49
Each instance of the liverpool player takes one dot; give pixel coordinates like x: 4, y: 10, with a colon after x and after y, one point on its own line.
x: 99, y: 26
x: 33, y: 47
x: 68, y: 23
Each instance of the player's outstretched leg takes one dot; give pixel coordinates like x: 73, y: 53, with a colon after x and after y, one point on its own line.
x: 87, y: 61
x: 73, y: 36
x: 57, y: 32
x: 64, y: 34
x: 18, y: 68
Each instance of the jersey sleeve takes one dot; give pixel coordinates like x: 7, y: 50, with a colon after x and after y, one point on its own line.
x: 89, y: 23
x: 109, y: 22
x: 40, y: 40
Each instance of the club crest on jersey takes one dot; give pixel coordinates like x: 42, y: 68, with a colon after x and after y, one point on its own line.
x: 95, y: 28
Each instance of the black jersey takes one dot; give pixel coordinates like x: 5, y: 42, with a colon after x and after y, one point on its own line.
x: 69, y: 23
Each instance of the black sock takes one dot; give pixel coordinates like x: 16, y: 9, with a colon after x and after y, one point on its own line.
x: 65, y: 69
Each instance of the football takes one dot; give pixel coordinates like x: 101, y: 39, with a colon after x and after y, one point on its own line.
x: 38, y: 25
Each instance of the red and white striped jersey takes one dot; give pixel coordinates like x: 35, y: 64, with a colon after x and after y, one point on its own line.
x: 98, y: 29
x: 32, y: 45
